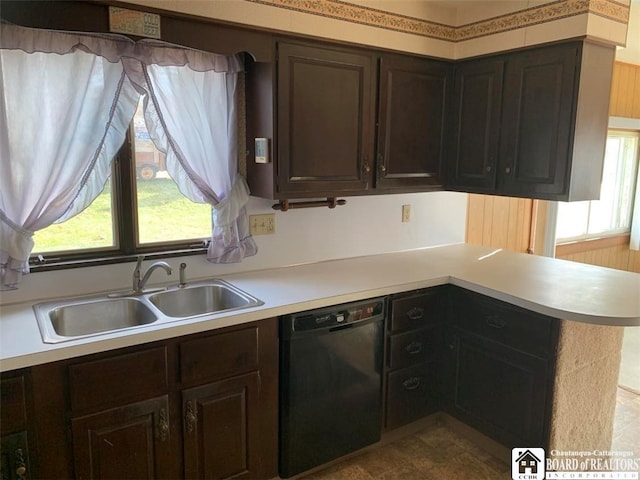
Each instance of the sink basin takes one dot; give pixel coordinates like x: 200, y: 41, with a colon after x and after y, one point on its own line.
x: 70, y: 319
x: 196, y: 300
x: 84, y: 318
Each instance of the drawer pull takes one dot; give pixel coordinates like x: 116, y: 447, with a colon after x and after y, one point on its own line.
x: 189, y: 417
x: 163, y: 425
x: 495, y: 321
x: 412, y: 383
x: 414, y: 348
x: 416, y: 313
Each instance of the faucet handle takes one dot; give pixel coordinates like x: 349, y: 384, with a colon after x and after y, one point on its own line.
x: 183, y: 280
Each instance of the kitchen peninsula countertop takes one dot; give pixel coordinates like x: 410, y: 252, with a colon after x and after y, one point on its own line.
x: 558, y: 288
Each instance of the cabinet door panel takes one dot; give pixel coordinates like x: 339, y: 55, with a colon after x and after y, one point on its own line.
x: 476, y: 125
x: 500, y: 391
x: 324, y: 120
x: 128, y: 442
x: 539, y: 96
x: 14, y: 457
x: 220, y: 429
x: 412, y: 122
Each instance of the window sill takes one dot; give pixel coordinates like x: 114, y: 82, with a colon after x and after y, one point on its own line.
x: 579, y: 246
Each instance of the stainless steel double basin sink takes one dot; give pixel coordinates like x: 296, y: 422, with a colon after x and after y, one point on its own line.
x: 75, y: 318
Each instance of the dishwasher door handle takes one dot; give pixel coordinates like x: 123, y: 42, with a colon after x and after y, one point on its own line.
x: 341, y: 327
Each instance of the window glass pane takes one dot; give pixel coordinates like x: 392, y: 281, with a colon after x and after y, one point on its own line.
x: 164, y: 214
x: 91, y: 229
x: 572, y: 219
x: 613, y: 211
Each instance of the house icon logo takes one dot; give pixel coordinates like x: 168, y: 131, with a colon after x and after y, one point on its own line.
x: 527, y: 464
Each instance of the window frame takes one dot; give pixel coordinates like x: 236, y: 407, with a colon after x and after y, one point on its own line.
x: 618, y: 235
x: 125, y: 224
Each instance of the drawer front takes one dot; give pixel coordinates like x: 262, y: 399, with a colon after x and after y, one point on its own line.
x: 117, y: 380
x: 410, y: 348
x: 507, y: 324
x: 416, y: 311
x: 219, y: 356
x: 13, y: 404
x: 411, y: 394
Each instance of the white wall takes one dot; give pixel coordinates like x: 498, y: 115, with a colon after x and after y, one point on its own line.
x: 365, y: 226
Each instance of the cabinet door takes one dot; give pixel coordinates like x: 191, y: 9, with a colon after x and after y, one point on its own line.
x: 128, y: 442
x: 411, y: 122
x: 475, y: 125
x: 498, y: 390
x: 325, y: 120
x: 14, y: 457
x: 538, y: 102
x: 221, y: 438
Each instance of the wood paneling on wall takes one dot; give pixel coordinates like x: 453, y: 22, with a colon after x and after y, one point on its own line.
x: 500, y: 222
x: 618, y: 256
x: 625, y: 91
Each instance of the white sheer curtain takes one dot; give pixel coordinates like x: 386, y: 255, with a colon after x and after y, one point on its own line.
x: 66, y: 102
x: 65, y: 106
x: 191, y: 116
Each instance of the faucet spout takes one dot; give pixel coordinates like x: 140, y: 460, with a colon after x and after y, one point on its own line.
x: 139, y: 280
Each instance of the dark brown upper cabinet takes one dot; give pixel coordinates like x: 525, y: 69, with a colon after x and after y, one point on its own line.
x: 548, y: 140
x: 322, y: 115
x: 411, y: 123
x: 325, y: 120
x: 316, y: 107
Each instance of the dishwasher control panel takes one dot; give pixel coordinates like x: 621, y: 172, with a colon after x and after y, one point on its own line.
x: 334, y: 316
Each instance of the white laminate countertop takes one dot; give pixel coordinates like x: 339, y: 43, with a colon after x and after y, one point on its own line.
x: 557, y: 288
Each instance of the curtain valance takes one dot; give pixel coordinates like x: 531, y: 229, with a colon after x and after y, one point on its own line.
x: 114, y: 48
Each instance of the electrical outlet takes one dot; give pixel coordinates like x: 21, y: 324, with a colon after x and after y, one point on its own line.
x: 406, y: 213
x: 264, y: 224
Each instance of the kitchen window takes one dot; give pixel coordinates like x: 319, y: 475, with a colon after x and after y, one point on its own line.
x: 155, y: 216
x: 610, y: 215
x: 71, y: 151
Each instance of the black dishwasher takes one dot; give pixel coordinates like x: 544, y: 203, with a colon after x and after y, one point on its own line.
x: 330, y: 383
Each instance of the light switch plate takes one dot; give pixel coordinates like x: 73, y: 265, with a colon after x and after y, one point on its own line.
x: 263, y: 224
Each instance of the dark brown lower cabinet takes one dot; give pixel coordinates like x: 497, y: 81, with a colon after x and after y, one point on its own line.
x: 127, y: 442
x: 220, y: 438
x: 199, y: 406
x: 16, y: 450
x: 500, y: 391
x: 499, y: 368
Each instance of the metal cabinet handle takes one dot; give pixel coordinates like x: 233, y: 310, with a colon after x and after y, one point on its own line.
x: 163, y: 425
x: 413, y: 348
x: 190, y: 417
x: 507, y: 170
x: 495, y: 321
x: 381, y: 165
x: 412, y: 383
x: 489, y: 168
x: 21, y: 466
x: 366, y: 168
x: 416, y: 313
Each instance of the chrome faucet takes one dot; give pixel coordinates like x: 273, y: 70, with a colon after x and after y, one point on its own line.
x: 140, y: 281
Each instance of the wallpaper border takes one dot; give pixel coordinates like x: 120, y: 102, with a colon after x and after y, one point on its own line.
x: 548, y: 12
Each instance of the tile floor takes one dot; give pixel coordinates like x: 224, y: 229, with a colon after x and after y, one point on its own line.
x: 439, y: 453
